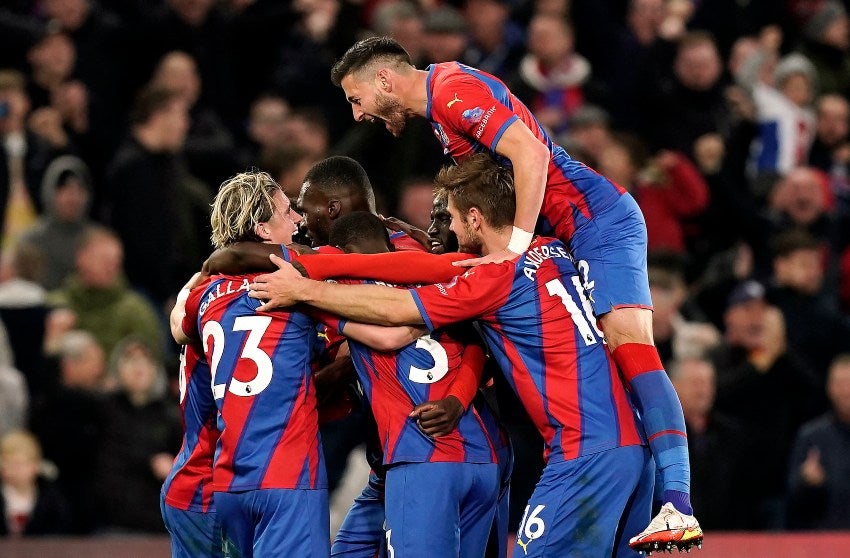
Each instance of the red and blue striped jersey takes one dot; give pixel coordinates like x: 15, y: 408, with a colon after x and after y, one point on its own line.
x: 539, y: 326
x: 189, y: 484
x: 469, y: 111
x: 396, y: 381
x: 262, y: 386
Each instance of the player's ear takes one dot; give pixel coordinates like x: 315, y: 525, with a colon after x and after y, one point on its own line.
x: 384, y: 81
x: 334, y: 208
x: 262, y: 231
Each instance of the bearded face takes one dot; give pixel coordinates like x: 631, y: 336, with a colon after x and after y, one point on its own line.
x: 391, y: 112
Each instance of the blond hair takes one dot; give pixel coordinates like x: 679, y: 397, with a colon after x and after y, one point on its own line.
x: 19, y: 442
x: 241, y: 204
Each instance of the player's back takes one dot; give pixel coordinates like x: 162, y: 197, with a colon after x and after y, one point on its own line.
x: 396, y: 381
x: 189, y: 484
x: 546, y: 341
x: 262, y: 386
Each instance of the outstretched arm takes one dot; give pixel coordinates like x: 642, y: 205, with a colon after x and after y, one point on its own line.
x: 175, y: 319
x: 374, y: 304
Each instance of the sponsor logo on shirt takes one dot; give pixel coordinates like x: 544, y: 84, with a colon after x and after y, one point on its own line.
x: 483, y: 124
x: 453, y: 101
x: 473, y: 115
x: 441, y: 135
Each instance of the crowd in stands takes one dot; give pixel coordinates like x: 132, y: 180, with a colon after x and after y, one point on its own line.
x: 728, y: 121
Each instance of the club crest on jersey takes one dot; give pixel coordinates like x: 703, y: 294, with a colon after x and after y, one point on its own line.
x: 453, y: 101
x: 473, y: 115
x: 441, y: 135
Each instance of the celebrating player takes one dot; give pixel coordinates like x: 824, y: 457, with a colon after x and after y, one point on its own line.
x: 536, y: 319
x: 472, y: 111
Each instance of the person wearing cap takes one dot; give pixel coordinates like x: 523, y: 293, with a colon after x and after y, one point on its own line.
x: 472, y: 111
x: 763, y: 384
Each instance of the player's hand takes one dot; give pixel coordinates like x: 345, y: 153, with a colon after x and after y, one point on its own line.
x: 495, y: 257
x: 277, y: 289
x: 415, y: 233
x: 438, y: 418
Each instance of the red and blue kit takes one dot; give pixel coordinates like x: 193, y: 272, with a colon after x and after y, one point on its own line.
x: 262, y: 386
x: 189, y: 485
x: 539, y: 326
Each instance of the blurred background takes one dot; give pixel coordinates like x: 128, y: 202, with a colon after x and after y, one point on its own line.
x: 727, y: 120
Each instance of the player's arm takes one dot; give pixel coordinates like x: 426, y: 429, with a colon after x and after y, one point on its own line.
x: 394, y: 267
x: 380, y: 338
x: 438, y: 418
x: 374, y: 304
x: 530, y: 160
x: 175, y: 319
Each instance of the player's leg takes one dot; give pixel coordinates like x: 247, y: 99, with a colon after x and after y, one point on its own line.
x: 638, y: 510
x: 578, y: 504
x: 294, y: 522
x: 361, y: 534
x: 192, y: 533
x: 610, y: 253
x: 423, y: 509
x: 478, y: 507
x: 237, y: 524
x: 497, y: 544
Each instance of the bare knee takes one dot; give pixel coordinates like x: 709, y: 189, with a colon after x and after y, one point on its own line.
x: 627, y: 325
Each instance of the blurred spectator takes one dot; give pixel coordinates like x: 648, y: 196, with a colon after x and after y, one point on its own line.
x: 99, y: 298
x: 307, y: 129
x: 763, y: 385
x: 402, y: 21
x: 159, y: 210
x: 23, y: 308
x: 444, y: 35
x: 25, y: 157
x: 495, y: 42
x: 786, y: 119
x: 30, y: 505
x: 416, y: 201
x: 716, y: 447
x: 690, y: 102
x: 590, y: 132
x: 52, y: 61
x: 668, y: 188
x: 130, y: 475
x: 799, y: 290
x: 288, y: 166
x: 67, y: 421
x: 676, y: 334
x: 267, y: 125
x: 66, y: 194
x: 209, y: 148
x: 830, y: 151
x: 14, y: 396
x: 826, y: 42
x: 553, y: 80
x: 819, y: 479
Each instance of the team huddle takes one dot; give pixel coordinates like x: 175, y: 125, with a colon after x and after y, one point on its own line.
x: 565, y: 314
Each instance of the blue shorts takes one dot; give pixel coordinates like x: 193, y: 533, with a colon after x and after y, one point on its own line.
x: 440, y: 509
x: 589, y: 506
x: 610, y: 255
x: 274, y: 522
x: 192, y: 533
x: 361, y: 534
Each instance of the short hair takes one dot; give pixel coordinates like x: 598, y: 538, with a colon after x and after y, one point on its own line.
x: 150, y: 101
x: 74, y: 343
x: 284, y: 159
x: 356, y: 228
x: 12, y: 80
x: 695, y: 38
x: 338, y: 174
x: 364, y: 52
x: 243, y: 201
x: 791, y: 241
x: 482, y: 183
x: 95, y: 233
x: 20, y: 442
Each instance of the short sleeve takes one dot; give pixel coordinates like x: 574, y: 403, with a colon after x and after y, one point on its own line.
x: 467, y: 108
